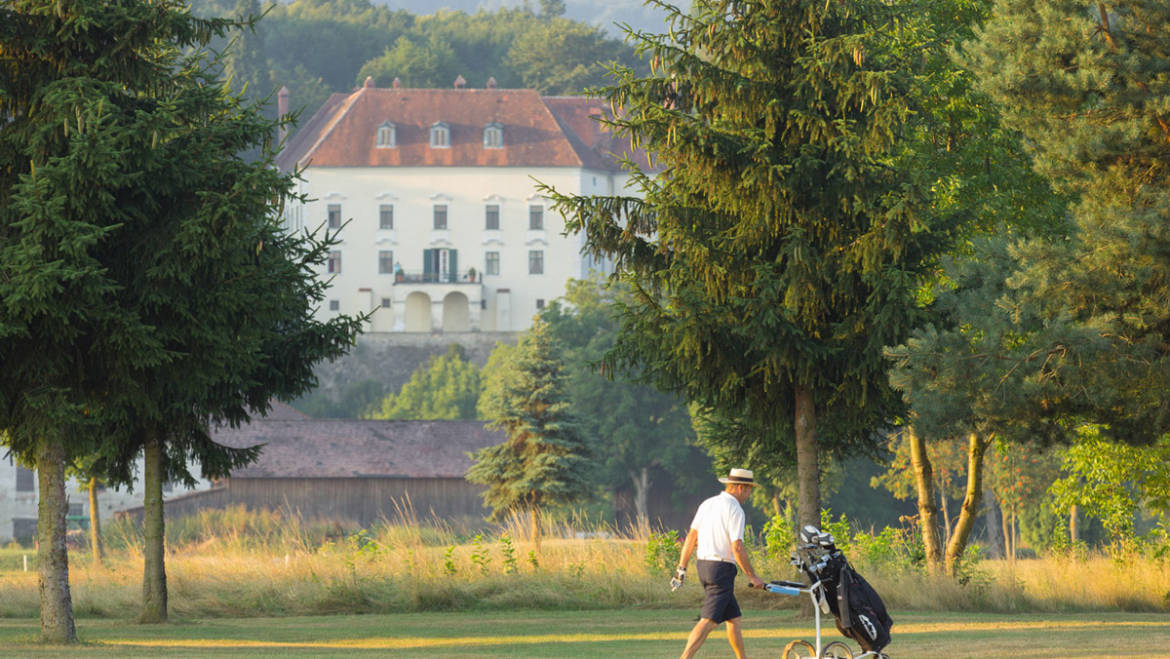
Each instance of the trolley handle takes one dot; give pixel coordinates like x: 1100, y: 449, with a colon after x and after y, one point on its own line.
x: 789, y: 587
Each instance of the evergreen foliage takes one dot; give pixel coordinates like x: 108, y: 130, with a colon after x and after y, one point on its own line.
x: 444, y: 387
x: 148, y: 287
x: 544, y: 462
x: 782, y: 244
x: 1085, y: 82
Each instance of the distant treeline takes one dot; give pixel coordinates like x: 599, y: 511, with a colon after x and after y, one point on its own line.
x: 319, y: 47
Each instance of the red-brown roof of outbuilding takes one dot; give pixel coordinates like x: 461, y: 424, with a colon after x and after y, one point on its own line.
x: 339, y: 448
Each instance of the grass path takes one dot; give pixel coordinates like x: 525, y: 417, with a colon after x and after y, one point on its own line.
x: 638, y: 633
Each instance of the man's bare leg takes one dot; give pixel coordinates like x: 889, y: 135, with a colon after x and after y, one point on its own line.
x: 735, y: 637
x: 698, y: 635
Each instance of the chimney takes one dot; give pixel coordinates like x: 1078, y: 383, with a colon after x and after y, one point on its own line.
x: 460, y: 83
x: 369, y: 82
x: 281, y: 113
x: 397, y: 84
x: 491, y: 83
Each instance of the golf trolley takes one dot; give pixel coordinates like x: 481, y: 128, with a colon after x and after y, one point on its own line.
x: 830, y: 578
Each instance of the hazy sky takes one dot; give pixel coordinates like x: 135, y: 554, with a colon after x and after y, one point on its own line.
x: 603, y: 13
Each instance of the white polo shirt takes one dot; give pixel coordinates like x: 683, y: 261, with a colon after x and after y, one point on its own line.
x: 719, y: 522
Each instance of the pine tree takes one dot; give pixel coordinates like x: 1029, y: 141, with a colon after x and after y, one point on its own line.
x: 781, y: 245
x: 544, y: 462
x: 1084, y: 81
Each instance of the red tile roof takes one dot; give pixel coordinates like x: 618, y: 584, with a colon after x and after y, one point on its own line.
x: 337, y: 448
x: 538, y: 132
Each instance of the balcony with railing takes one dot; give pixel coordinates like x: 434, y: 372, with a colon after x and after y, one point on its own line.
x: 416, y: 277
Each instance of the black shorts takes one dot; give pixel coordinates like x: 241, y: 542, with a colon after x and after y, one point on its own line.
x: 718, y: 579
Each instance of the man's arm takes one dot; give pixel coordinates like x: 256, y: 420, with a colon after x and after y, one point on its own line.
x: 745, y: 564
x: 689, y: 545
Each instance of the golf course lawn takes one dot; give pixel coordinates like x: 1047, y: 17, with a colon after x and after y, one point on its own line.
x: 636, y: 633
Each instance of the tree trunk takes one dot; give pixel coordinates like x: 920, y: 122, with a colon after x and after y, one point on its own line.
x: 154, y: 577
x: 957, y: 544
x: 946, y: 510
x: 927, y: 509
x: 1009, y: 552
x: 95, y: 524
x: 641, y: 494
x: 808, y: 476
x: 52, y: 554
x: 534, y: 526
x: 994, y: 530
x: 1072, y: 524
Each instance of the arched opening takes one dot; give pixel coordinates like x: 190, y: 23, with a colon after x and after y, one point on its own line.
x: 456, y: 313
x: 418, y: 312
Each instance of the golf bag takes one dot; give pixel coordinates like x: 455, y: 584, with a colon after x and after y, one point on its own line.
x: 859, y: 611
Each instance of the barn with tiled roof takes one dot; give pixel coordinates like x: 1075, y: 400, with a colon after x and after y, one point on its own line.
x: 350, y: 470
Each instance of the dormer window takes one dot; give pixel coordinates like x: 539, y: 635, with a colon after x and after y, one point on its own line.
x: 440, y: 136
x: 493, y: 136
x: 387, y: 137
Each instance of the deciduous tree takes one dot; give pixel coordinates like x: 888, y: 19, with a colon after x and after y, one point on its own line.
x: 637, y: 430
x: 443, y: 387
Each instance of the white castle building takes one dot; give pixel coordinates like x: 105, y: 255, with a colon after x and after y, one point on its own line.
x: 442, y: 227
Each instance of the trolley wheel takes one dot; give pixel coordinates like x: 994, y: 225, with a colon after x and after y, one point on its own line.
x: 799, y: 649
x: 836, y: 650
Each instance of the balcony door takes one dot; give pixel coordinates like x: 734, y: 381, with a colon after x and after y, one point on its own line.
x: 440, y: 265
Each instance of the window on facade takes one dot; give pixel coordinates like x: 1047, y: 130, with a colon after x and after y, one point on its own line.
x: 536, y: 218
x: 539, y: 303
x: 440, y: 217
x: 440, y: 136
x: 24, y: 479
x: 385, y: 262
x: 491, y: 214
x: 387, y: 136
x: 335, y: 305
x: 334, y: 216
x: 386, y: 216
x: 491, y: 263
x: 493, y: 136
x: 535, y: 262
x: 385, y: 303
x: 334, y: 263
x: 77, y: 509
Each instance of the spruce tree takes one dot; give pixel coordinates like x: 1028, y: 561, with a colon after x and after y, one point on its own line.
x: 148, y: 289
x: 780, y: 246
x: 545, y: 461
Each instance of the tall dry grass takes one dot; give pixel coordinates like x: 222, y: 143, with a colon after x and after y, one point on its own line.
x: 238, y: 563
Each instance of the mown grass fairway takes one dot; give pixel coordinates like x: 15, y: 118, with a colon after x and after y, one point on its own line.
x: 639, y: 633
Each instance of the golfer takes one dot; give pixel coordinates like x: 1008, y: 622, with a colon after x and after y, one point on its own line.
x: 716, y: 538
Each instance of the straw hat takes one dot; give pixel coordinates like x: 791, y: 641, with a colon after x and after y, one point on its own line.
x: 739, y: 477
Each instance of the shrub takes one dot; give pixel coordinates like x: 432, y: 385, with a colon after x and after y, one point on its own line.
x: 663, y: 551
